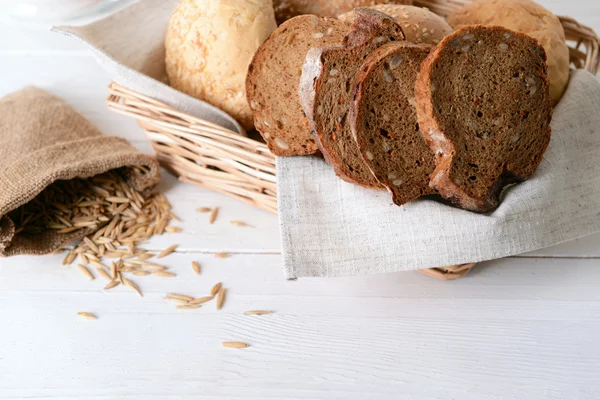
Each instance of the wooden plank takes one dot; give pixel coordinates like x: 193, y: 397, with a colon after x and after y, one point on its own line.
x: 257, y: 275
x: 586, y: 247
x: 514, y: 329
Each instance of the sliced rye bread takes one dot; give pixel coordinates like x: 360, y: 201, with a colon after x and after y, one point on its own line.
x: 384, y: 120
x: 326, y: 86
x: 484, y: 107
x: 273, y: 79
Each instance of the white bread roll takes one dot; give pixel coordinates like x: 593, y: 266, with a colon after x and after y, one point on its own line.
x: 419, y: 24
x: 527, y: 17
x: 209, y: 46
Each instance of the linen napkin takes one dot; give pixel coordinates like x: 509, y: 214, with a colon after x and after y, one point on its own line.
x: 333, y: 228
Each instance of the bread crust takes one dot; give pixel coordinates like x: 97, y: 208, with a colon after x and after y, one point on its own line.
x: 444, y: 143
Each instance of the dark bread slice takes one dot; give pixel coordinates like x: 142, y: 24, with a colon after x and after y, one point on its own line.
x: 273, y: 79
x: 384, y: 120
x: 326, y: 86
x: 484, y: 107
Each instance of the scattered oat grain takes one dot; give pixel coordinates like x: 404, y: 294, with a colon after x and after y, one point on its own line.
x: 221, y: 298
x: 167, y: 251
x: 215, y: 289
x: 188, y: 306
x: 131, y: 285
x: 164, y: 274
x: 154, y: 267
x: 175, y: 217
x: 240, y: 223
x: 69, y: 258
x: 235, y: 345
x: 213, y: 215
x: 87, y: 315
x: 178, y: 296
x: 104, y: 273
x: 91, y: 245
x: 85, y: 271
x: 201, y: 300
x: 196, y: 267
x: 111, y: 284
x: 118, y: 199
x: 258, y: 312
x: 179, y: 302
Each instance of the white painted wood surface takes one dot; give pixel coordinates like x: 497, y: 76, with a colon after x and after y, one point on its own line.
x: 520, y: 328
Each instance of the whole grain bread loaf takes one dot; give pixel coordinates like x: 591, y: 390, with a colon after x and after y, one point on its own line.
x: 326, y: 86
x: 418, y: 23
x: 274, y: 76
x: 484, y: 107
x: 384, y: 120
x: 286, y: 9
x: 212, y: 67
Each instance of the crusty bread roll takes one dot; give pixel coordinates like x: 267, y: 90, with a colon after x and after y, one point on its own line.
x: 209, y: 46
x: 286, y: 9
x: 527, y: 17
x: 419, y: 24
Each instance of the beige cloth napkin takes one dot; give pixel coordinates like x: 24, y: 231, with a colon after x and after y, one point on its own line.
x: 42, y: 140
x: 332, y: 228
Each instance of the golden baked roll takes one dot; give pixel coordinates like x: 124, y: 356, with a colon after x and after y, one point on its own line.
x: 419, y: 24
x: 286, y: 9
x: 209, y: 45
x: 528, y: 17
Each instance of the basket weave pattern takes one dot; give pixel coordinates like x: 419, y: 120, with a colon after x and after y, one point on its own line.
x: 207, y: 155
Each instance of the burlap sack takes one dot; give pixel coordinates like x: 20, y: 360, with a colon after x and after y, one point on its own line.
x: 42, y: 140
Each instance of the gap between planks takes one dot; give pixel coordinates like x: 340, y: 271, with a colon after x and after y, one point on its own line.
x: 210, y: 252
x: 45, y: 53
x: 279, y: 252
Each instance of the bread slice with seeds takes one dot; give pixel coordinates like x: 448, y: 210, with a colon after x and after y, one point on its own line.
x: 484, y: 107
x: 384, y: 120
x: 326, y: 86
x: 273, y: 78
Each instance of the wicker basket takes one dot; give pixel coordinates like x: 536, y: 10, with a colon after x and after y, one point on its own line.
x: 208, y: 155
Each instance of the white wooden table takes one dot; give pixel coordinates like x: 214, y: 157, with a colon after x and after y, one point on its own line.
x: 521, y: 328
